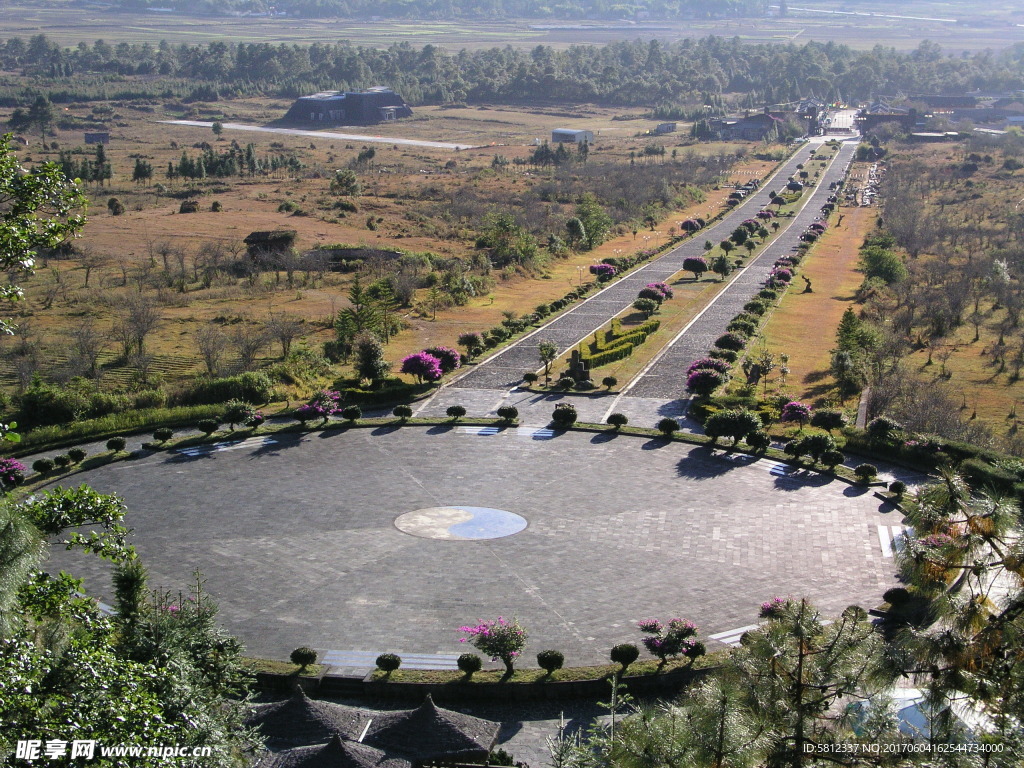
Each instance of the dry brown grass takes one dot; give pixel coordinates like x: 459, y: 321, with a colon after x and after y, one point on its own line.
x: 803, y: 326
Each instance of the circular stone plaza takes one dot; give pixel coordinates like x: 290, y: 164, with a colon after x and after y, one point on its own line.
x: 363, y: 540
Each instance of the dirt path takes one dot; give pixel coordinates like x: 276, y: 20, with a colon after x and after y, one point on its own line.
x: 325, y: 135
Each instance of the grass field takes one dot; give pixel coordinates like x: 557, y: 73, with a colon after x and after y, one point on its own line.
x: 978, y: 26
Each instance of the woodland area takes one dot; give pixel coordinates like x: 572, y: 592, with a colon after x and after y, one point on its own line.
x: 678, y: 81
x: 448, y: 9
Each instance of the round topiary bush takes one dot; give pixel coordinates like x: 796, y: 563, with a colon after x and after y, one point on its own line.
x: 865, y: 472
x: 469, y: 663
x: 609, y: 381
x: 832, y: 458
x: 530, y: 378
x: 388, y: 662
x: 897, y: 488
x: 567, y: 382
x: 883, y: 428
x: 207, y: 426
x: 402, y: 412
x: 564, y: 415
x: 896, y: 596
x: 42, y: 466
x: 62, y: 460
x: 116, y: 444
x: 351, y: 413
x: 163, y: 434
x: 668, y: 426
x: 625, y: 654
x: 508, y: 413
x: 724, y: 354
x: 618, y: 420
x: 759, y: 440
x: 455, y: 412
x: 730, y: 341
x: 550, y: 661
x: 303, y: 656
x: 77, y: 455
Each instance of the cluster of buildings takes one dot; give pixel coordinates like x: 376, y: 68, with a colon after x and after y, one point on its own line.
x: 914, y: 115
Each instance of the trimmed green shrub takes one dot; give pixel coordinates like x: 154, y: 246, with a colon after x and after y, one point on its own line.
x: 304, y: 656
x: 530, y: 378
x: 883, y: 428
x: 77, y: 455
x: 42, y: 466
x: 609, y: 381
x: 618, y: 420
x: 865, y: 472
x: 455, y: 412
x: 116, y: 444
x: 237, y: 412
x: 668, y: 426
x: 550, y: 661
x: 756, y: 307
x: 624, y: 654
x: 730, y: 341
x: 508, y: 413
x: 351, y: 413
x: 566, y: 382
x: 207, y: 426
x: 724, y: 354
x: 897, y: 488
x: 744, y: 327
x: 895, y: 596
x: 163, y: 434
x: 564, y: 415
x: 469, y: 663
x: 388, y: 662
x: 832, y: 458
x: 767, y: 294
x: 828, y: 419
x: 62, y: 460
x: 759, y: 440
x: 402, y: 412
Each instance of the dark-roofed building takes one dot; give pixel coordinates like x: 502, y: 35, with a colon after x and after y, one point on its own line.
x: 750, y: 128
x: 337, y: 753
x: 430, y: 733
x: 370, y: 107
x: 302, y: 720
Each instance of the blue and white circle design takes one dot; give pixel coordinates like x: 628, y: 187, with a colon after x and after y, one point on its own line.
x: 460, y: 523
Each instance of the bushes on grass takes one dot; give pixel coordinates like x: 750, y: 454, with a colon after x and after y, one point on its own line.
x: 668, y: 426
x: 403, y: 412
x: 469, y: 663
x: 865, y: 472
x: 564, y: 415
x: 77, y: 455
x: 304, y: 656
x: 42, y: 466
x: 618, y: 420
x: 251, y: 387
x: 116, y: 444
x: 624, y: 654
x: 455, y: 412
x: 12, y: 472
x: 550, y: 661
x: 208, y: 426
x: 731, y: 341
x: 163, y: 434
x: 351, y: 413
x: 508, y: 413
x: 704, y: 381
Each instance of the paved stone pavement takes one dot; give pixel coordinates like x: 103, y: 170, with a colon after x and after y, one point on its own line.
x: 296, y: 541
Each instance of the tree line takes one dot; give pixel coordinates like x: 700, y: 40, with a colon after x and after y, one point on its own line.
x: 673, y: 78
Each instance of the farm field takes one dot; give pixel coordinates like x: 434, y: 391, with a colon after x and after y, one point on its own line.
x: 967, y: 26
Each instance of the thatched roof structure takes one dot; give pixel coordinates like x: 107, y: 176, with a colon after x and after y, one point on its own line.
x: 430, y: 733
x: 302, y: 720
x: 337, y: 753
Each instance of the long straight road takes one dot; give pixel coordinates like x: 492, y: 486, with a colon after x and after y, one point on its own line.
x: 493, y: 382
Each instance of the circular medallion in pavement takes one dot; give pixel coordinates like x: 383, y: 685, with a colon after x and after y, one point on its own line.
x: 460, y: 523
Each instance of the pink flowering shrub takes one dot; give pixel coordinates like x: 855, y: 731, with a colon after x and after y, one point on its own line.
x: 772, y: 609
x: 12, y: 472
x: 671, y: 640
x: 450, y: 359
x: 794, y: 411
x: 423, y: 365
x: 322, y: 405
x: 603, y: 271
x: 711, y: 363
x: 662, y: 288
x: 503, y: 640
x: 704, y: 381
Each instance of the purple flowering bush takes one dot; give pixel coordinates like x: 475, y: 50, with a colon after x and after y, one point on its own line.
x: 798, y: 412
x: 503, y: 640
x: 661, y: 288
x: 782, y: 274
x: 450, y: 359
x: 704, y: 381
x: 708, y: 363
x: 603, y: 271
x: 671, y: 640
x: 423, y: 365
x: 12, y: 472
x: 696, y: 264
x: 765, y: 215
x: 690, y: 225
x: 772, y: 609
x: 322, y: 405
